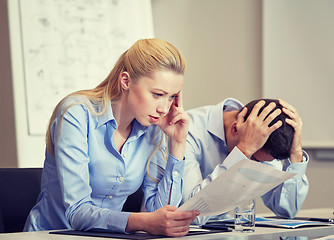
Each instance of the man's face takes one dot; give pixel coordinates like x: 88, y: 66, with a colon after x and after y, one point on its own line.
x: 262, y: 156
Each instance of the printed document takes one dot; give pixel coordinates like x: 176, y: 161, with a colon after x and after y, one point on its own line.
x: 243, y: 181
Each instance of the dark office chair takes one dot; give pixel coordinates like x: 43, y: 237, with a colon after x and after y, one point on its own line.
x: 134, y: 201
x: 19, y: 188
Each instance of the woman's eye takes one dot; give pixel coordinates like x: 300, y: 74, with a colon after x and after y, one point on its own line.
x: 172, y: 97
x: 157, y: 95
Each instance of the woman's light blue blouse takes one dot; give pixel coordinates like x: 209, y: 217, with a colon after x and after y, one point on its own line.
x: 87, y: 181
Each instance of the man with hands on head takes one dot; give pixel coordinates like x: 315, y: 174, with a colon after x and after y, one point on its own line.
x: 265, y: 130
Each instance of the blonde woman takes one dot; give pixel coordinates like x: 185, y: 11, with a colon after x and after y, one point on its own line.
x: 105, y: 143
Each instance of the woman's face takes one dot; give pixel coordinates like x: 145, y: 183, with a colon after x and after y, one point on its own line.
x: 150, y: 98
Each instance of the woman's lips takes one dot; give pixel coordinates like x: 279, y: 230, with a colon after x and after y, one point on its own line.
x: 154, y: 119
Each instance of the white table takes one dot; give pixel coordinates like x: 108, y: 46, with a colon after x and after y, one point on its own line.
x: 260, y: 232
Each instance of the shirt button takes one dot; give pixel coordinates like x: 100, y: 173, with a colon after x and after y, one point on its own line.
x: 175, y: 173
x: 121, y: 179
x: 124, y: 155
x: 110, y: 196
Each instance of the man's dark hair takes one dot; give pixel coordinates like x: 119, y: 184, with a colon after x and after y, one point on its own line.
x: 279, y: 142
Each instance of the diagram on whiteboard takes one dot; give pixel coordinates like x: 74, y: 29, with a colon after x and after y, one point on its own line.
x: 73, y: 44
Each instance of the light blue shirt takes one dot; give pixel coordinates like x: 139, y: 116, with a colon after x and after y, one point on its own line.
x: 86, y: 183
x: 207, y: 156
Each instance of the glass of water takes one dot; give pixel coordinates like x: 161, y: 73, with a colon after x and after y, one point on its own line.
x: 244, y: 218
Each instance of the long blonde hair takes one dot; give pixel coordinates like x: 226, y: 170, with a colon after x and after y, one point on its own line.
x: 142, y: 59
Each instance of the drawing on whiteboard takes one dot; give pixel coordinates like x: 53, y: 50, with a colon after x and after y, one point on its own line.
x: 72, y: 45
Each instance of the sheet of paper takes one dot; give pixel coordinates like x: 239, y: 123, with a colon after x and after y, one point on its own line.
x: 243, y: 181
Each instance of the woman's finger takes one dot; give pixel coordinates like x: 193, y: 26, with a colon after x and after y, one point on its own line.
x: 179, y: 100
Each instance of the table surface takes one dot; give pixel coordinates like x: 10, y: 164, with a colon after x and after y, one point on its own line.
x: 260, y: 232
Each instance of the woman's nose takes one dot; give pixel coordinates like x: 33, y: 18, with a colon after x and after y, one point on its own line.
x: 163, y: 108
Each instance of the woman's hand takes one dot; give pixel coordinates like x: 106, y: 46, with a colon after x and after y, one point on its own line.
x: 296, y: 153
x: 164, y: 221
x: 175, y: 125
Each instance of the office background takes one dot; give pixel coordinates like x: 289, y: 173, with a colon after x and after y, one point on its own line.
x: 222, y: 41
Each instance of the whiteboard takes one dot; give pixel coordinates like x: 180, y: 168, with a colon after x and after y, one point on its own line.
x: 298, y: 63
x: 72, y: 45
x: 59, y: 47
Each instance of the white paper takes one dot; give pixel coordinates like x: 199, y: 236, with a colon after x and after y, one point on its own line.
x: 243, y: 181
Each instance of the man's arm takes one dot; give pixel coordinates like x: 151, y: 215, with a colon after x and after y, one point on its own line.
x: 287, y: 199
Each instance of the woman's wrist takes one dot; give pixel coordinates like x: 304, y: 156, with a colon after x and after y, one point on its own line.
x: 177, y: 149
x: 136, y: 222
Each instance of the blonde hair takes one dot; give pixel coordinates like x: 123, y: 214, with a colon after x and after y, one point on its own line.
x: 142, y: 59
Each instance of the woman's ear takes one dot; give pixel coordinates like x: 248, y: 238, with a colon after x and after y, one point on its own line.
x: 124, y: 79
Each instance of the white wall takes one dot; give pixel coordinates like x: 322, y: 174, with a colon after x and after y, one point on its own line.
x: 221, y: 41
x: 298, y: 57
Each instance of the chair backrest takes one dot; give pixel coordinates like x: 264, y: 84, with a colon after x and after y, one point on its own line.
x: 134, y: 202
x: 19, y: 188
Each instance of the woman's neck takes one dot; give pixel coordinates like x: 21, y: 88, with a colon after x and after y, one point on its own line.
x: 122, y: 116
x: 124, y: 126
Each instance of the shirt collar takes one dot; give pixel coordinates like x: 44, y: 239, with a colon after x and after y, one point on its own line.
x: 216, y: 122
x: 107, y: 116
x: 138, y: 129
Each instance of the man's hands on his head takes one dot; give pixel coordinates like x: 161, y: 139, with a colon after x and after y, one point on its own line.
x: 296, y: 153
x: 255, y: 131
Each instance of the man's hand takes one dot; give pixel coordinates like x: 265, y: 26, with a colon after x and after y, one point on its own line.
x: 296, y: 153
x: 255, y: 131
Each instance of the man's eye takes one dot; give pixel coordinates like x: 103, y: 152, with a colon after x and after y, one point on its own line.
x: 157, y: 95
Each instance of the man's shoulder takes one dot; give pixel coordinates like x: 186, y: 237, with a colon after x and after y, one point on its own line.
x: 200, y: 112
x: 199, y: 118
